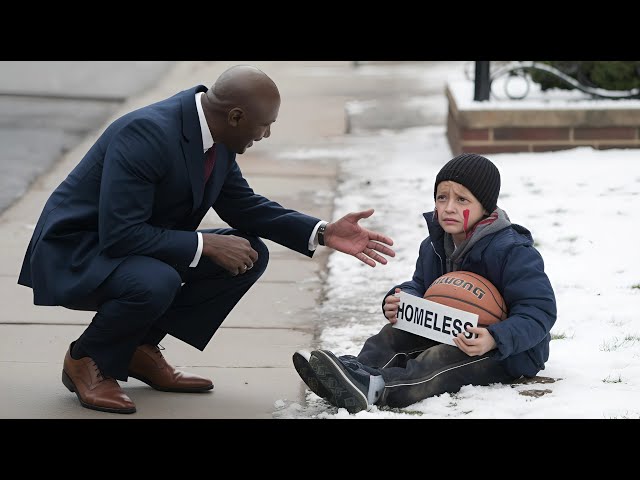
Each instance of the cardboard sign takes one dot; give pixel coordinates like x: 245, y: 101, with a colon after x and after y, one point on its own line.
x: 433, y: 320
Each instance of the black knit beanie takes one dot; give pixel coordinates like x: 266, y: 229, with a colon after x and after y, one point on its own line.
x: 475, y: 172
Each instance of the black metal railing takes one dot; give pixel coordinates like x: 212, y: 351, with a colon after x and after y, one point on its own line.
x: 484, y: 79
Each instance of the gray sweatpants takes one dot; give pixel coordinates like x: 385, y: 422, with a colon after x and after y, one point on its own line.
x: 414, y: 367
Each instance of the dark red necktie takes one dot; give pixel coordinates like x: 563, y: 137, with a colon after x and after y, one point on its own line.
x: 210, y: 160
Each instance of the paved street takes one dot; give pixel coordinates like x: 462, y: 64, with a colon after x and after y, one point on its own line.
x: 46, y: 108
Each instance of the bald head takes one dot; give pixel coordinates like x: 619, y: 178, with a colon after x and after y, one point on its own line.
x: 243, y: 86
x: 241, y: 106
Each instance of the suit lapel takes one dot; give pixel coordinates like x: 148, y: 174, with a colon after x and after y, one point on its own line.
x: 192, y: 145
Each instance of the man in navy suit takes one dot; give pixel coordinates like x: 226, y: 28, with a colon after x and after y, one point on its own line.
x: 119, y: 236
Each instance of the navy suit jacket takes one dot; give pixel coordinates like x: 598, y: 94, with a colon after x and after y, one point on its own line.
x: 140, y: 190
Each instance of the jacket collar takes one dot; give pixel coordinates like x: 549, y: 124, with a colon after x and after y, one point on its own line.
x: 435, y: 230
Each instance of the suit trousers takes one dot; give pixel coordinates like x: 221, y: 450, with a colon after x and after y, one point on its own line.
x: 415, y: 367
x: 144, y: 299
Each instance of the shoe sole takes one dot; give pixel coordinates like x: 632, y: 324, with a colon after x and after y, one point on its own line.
x: 333, y: 376
x: 309, y: 377
x: 66, y: 380
x: 169, y: 389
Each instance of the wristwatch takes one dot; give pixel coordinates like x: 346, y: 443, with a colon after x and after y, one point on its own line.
x: 321, y: 229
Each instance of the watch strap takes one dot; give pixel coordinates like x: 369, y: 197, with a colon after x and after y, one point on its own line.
x: 320, y: 233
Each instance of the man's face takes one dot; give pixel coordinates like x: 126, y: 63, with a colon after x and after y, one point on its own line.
x: 251, y: 125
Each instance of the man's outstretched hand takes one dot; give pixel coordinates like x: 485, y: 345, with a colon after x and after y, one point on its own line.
x: 346, y: 236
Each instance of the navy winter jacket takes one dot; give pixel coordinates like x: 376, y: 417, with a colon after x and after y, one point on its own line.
x: 509, y: 260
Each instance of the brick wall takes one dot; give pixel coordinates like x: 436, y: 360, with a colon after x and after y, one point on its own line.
x: 498, y: 131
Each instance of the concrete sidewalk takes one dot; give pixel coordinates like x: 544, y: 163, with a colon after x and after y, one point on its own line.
x: 249, y: 358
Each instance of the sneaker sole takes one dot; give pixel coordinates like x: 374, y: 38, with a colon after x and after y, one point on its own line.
x: 309, y: 377
x: 66, y: 380
x: 334, y: 378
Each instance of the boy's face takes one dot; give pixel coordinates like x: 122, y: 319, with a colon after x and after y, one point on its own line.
x: 452, y: 201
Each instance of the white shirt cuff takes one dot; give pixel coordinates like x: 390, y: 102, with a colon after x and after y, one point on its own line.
x: 196, y: 259
x: 313, y: 239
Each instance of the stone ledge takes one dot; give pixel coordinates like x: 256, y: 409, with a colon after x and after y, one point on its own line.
x: 501, y: 130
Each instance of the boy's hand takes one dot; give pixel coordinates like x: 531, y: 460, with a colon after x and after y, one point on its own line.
x: 391, y: 307
x: 475, y: 346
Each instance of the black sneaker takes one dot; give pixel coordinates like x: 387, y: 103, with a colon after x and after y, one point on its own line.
x: 301, y: 364
x: 347, y: 381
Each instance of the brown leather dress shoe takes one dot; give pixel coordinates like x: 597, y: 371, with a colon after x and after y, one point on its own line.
x: 149, y: 366
x: 94, y: 390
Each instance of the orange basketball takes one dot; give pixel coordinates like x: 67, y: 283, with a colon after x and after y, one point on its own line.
x: 470, y: 292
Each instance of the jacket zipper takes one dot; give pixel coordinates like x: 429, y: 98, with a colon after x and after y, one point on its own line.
x: 441, y: 263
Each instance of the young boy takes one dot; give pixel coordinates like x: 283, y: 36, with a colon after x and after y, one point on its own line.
x: 467, y: 231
